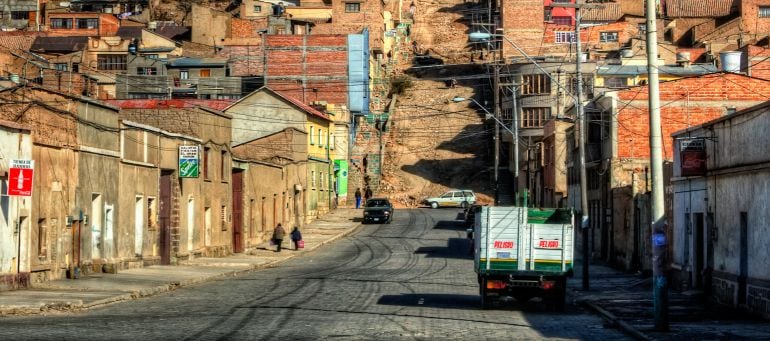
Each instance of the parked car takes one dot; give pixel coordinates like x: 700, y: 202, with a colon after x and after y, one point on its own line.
x: 378, y: 210
x: 454, y: 198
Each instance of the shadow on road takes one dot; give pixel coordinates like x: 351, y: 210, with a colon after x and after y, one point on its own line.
x: 458, y: 248
x: 446, y: 301
x: 452, y: 225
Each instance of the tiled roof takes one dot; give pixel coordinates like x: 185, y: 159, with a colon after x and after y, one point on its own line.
x: 171, y: 31
x: 217, y: 104
x: 303, y: 106
x: 59, y: 44
x: 631, y: 7
x: 610, y: 12
x: 130, y: 32
x: 700, y: 8
x: 18, y: 41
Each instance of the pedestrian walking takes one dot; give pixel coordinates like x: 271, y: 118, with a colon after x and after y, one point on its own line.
x: 278, y: 235
x: 358, y: 197
x: 296, y: 237
x: 412, y: 9
x: 368, y: 193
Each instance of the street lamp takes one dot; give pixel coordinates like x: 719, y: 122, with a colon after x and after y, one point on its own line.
x: 515, y: 135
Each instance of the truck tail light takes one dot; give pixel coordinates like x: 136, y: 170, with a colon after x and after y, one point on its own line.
x: 548, y: 285
x: 495, y: 284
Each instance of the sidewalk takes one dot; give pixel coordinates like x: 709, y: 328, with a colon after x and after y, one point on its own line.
x: 626, y: 301
x: 101, y: 289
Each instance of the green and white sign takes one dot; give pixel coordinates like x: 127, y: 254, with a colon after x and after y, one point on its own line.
x: 189, y: 162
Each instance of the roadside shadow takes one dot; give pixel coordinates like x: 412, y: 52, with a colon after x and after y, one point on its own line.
x: 357, y: 219
x: 444, y: 301
x: 457, y: 248
x: 452, y: 225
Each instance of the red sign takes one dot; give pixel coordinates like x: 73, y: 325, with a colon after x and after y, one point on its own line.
x: 503, y: 244
x: 693, y: 162
x: 20, y: 178
x: 549, y: 244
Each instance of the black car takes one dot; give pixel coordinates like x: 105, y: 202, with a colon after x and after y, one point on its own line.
x: 378, y: 210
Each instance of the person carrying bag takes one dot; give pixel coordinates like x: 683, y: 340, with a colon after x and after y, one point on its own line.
x: 296, y: 237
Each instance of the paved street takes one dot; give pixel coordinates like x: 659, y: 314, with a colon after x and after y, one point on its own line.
x: 411, y: 279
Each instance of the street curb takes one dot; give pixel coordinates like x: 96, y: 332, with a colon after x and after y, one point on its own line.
x: 624, y: 326
x: 168, y: 287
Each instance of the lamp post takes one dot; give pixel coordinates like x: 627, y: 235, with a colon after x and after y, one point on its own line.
x: 498, y: 124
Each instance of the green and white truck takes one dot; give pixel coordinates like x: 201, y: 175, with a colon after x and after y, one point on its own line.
x: 523, y: 252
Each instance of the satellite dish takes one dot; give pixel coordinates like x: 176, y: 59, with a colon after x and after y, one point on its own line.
x: 64, y: 4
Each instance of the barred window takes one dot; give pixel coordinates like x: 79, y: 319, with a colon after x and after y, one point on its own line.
x: 352, y: 7
x: 536, y: 84
x: 547, y: 14
x: 19, y: 15
x: 608, y: 37
x: 61, y: 23
x: 113, y: 62
x: 534, y: 117
x: 764, y: 11
x: 89, y: 23
x: 146, y: 71
x: 564, y: 37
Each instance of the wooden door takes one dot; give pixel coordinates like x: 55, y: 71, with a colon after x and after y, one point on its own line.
x: 165, y: 217
x: 237, y: 211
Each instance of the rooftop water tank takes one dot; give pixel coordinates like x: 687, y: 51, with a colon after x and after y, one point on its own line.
x: 479, y: 36
x: 730, y: 61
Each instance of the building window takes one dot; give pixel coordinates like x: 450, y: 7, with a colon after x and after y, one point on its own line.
x: 320, y: 138
x: 764, y: 11
x: 184, y: 74
x: 312, y: 179
x: 75, y: 67
x: 206, y: 153
x: 608, y: 37
x: 534, y: 117
x: 564, y: 37
x: 223, y: 166
x: 151, y: 56
x: 562, y: 20
x: 59, y: 23
x: 616, y: 82
x: 19, y: 15
x: 312, y: 142
x: 152, y: 211
x: 42, y: 239
x: 91, y: 23
x: 257, y: 9
x: 536, y: 84
x: 146, y: 71
x: 547, y: 14
x: 642, y: 28
x: 352, y: 7
x: 331, y: 141
x: 113, y: 62
x: 223, y: 217
x: 205, y: 73
x: 60, y: 66
x: 321, y: 180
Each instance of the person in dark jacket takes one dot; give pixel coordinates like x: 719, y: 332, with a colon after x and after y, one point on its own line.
x: 278, y: 235
x: 368, y: 193
x: 358, y: 198
x: 296, y: 236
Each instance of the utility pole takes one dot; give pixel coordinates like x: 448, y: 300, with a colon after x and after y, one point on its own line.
x: 584, y: 223
x: 496, y: 86
x: 659, y: 280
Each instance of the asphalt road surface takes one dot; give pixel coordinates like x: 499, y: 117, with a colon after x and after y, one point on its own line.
x: 409, y: 280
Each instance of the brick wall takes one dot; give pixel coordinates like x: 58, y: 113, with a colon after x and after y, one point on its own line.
x: 308, y: 68
x: 246, y: 58
x: 708, y: 97
x: 247, y: 28
x: 522, y: 23
x: 751, y: 23
x: 758, y: 61
x: 370, y: 16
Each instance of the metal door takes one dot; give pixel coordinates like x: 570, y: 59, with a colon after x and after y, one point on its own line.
x: 165, y: 217
x: 237, y: 211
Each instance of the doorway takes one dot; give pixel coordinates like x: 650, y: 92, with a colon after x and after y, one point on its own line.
x: 138, y: 225
x: 165, y: 217
x: 237, y: 211
x: 190, y: 223
x: 699, y: 249
x: 96, y: 225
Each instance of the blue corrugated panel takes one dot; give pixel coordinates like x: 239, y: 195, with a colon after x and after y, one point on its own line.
x: 358, y: 73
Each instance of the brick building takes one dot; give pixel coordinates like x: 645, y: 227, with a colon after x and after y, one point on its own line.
x: 82, y: 24
x: 618, y: 154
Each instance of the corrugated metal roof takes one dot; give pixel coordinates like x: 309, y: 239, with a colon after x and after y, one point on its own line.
x: 217, y: 104
x: 59, y: 44
x: 130, y: 32
x: 610, y: 12
x: 196, y: 62
x: 634, y: 70
x: 700, y: 8
x: 632, y: 7
x: 18, y: 41
x: 171, y: 30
